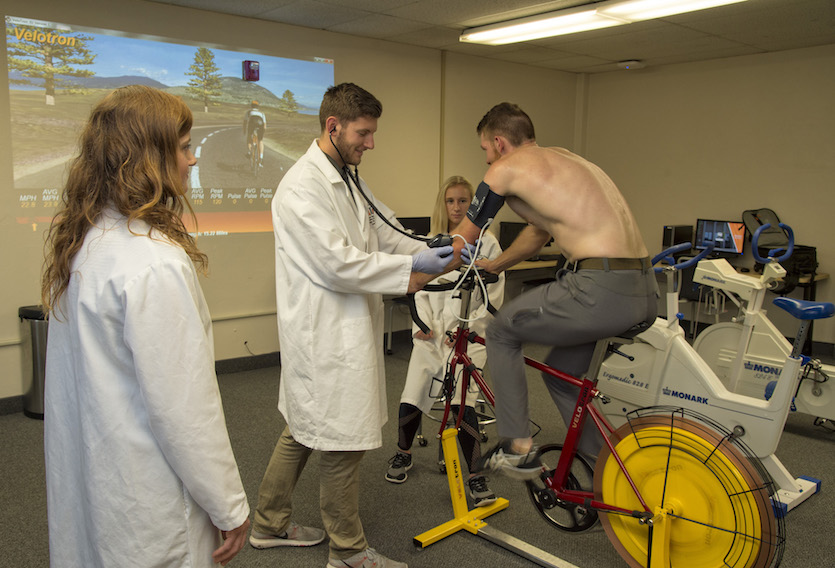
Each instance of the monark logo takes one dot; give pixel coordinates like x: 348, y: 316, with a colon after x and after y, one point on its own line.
x: 757, y: 368
x: 686, y: 396
x: 713, y: 279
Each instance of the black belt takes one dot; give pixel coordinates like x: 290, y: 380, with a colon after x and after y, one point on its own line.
x: 612, y: 264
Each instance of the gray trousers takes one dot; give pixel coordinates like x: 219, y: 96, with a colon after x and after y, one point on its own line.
x: 570, y: 314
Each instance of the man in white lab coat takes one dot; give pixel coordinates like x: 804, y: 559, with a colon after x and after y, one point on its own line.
x: 335, y: 257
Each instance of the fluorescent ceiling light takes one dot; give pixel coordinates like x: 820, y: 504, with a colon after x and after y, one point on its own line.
x: 562, y: 22
x: 583, y: 18
x: 637, y: 10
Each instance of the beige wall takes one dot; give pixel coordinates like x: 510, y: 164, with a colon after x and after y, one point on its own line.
x: 747, y: 132
x: 715, y: 138
x: 472, y: 85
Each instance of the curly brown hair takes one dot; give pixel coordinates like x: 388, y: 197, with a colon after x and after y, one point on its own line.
x: 128, y: 162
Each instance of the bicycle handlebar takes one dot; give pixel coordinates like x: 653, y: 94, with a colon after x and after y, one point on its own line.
x: 772, y: 253
x: 667, y: 254
x: 487, y: 278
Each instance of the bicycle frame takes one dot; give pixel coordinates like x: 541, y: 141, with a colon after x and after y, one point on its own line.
x: 583, y: 410
x: 749, y: 352
x: 255, y: 153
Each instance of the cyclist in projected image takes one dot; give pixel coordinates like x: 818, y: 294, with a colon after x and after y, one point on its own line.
x: 139, y: 467
x: 431, y: 351
x: 255, y: 123
x: 608, y: 287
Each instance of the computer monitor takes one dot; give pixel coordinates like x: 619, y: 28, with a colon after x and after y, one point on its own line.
x: 726, y: 236
x: 418, y: 225
x: 508, y: 231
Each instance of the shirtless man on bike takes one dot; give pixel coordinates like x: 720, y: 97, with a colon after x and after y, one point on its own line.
x: 607, y: 287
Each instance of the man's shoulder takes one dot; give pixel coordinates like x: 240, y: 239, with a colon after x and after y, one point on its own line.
x: 308, y: 173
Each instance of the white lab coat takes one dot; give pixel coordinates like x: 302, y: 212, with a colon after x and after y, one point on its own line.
x: 334, y: 260
x: 139, y: 468
x: 440, y: 311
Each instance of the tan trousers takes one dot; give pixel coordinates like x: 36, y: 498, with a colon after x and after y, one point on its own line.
x: 338, y: 494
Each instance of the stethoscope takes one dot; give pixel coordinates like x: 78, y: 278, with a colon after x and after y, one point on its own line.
x: 438, y: 240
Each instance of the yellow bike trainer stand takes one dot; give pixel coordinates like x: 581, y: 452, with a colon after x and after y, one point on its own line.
x: 464, y: 518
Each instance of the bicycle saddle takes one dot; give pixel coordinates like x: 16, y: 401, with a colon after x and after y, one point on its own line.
x: 804, y: 309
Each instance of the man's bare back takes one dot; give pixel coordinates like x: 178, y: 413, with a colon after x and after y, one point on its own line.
x: 571, y: 199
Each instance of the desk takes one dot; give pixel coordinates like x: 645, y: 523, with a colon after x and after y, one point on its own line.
x: 516, y: 275
x: 809, y: 283
x: 533, y: 265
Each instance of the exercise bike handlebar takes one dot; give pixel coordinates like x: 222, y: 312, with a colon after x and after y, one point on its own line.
x: 772, y: 253
x: 487, y: 277
x: 468, y: 278
x: 667, y: 254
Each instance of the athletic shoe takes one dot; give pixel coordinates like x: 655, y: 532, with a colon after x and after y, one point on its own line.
x: 481, y: 494
x: 400, y: 464
x: 295, y: 535
x: 368, y: 558
x: 502, y: 459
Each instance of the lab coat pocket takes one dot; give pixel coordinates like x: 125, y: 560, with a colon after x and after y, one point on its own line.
x: 358, y: 347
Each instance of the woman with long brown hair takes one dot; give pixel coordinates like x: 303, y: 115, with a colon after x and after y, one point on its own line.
x: 139, y: 468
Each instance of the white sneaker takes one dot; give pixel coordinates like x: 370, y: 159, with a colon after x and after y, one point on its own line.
x: 368, y: 558
x: 519, y: 466
x: 295, y: 535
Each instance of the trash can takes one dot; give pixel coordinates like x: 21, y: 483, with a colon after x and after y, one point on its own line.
x: 33, y: 332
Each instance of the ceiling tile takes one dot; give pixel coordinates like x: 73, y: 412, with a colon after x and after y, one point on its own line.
x: 314, y: 14
x: 749, y: 27
x: 378, y: 26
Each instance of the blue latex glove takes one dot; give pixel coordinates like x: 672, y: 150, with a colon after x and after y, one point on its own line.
x: 468, y: 252
x: 432, y: 260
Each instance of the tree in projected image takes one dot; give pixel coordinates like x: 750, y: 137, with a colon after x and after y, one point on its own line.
x: 205, y: 84
x: 48, y: 56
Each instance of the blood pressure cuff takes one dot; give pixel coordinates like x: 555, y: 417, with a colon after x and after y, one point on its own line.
x: 485, y: 205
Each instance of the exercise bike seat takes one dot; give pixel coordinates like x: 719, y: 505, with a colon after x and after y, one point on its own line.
x: 630, y: 334
x: 805, y: 309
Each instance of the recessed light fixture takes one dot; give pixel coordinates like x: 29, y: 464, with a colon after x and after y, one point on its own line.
x: 632, y: 64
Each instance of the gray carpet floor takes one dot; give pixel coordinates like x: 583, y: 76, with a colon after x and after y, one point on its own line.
x: 394, y: 514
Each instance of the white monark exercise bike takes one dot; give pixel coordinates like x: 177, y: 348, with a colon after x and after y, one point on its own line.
x: 661, y: 368
x: 748, y: 353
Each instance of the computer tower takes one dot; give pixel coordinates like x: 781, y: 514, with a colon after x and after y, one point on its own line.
x: 676, y: 234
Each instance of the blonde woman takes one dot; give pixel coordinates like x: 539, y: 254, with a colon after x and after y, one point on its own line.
x: 430, y: 351
x: 139, y: 468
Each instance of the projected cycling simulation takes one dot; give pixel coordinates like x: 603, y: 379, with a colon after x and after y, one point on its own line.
x: 57, y: 72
